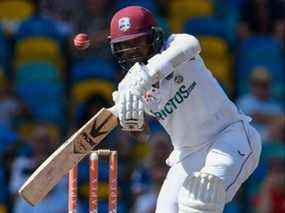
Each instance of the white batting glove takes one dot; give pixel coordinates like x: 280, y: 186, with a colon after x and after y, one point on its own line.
x: 139, y: 79
x: 130, y: 110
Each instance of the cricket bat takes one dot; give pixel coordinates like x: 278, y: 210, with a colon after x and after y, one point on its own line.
x: 68, y: 155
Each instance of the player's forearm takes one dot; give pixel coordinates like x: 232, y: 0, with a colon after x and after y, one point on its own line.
x: 180, y: 50
x: 141, y: 77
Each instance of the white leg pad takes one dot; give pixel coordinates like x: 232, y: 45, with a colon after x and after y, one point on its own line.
x: 202, y: 193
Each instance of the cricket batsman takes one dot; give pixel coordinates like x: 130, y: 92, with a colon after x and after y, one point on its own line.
x: 215, y: 149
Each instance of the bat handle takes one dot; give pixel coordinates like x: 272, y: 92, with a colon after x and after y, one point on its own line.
x: 114, y: 110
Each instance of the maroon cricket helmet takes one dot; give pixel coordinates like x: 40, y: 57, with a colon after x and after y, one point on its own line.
x: 131, y: 22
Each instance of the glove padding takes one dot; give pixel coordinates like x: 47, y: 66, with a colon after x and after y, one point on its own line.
x: 130, y: 109
x: 138, y: 80
x: 129, y: 101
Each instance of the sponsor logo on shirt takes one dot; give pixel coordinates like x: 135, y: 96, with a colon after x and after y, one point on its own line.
x: 173, y: 103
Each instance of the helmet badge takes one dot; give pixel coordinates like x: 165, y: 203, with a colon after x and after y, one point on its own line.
x: 124, y: 24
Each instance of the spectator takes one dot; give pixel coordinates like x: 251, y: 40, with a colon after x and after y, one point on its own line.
x: 9, y: 141
x: 262, y: 17
x: 271, y: 197
x: 259, y: 103
x: 277, y: 130
x: 280, y: 30
x: 10, y: 106
x: 3, y: 189
x: 42, y: 145
x: 151, y: 173
x: 146, y: 202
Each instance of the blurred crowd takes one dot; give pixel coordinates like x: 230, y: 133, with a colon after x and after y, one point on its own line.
x: 48, y: 89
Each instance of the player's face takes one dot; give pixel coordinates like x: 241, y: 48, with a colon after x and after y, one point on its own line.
x: 134, y: 50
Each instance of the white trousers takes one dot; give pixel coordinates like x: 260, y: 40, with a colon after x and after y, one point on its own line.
x: 232, y: 156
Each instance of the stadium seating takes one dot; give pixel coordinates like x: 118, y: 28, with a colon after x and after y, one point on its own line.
x: 37, y: 71
x: 237, y: 3
x: 83, y: 90
x: 39, y: 93
x: 213, y: 46
x: 2, y: 77
x: 41, y: 87
x: 7, y: 137
x: 13, y: 12
x: 4, y: 52
x: 266, y: 50
x: 38, y: 48
x: 53, y: 114
x: 39, y: 26
x: 88, y: 78
x: 149, y: 4
x: 182, y: 10
x: 216, y: 54
x: 26, y: 130
x: 92, y: 68
x: 208, y: 26
x: 212, y: 35
x: 260, y: 51
x: 141, y: 150
x: 228, y: 6
x: 3, y: 208
x: 3, y: 192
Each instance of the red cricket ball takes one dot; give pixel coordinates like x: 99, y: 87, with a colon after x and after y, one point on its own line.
x: 81, y: 41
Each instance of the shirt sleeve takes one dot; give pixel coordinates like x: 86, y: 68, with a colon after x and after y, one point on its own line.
x: 178, y: 49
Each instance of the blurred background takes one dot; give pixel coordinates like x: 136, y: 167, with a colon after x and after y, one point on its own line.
x: 48, y: 89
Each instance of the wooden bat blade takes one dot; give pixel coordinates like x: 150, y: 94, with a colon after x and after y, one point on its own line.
x: 68, y: 155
